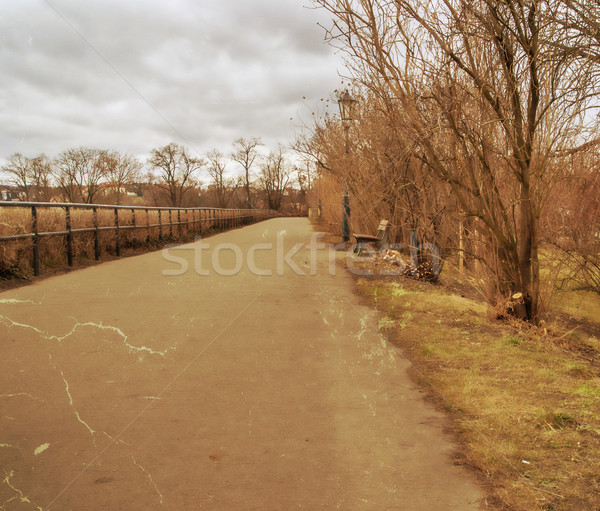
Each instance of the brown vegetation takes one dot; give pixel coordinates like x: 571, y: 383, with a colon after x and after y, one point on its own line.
x: 16, y: 257
x: 473, y: 120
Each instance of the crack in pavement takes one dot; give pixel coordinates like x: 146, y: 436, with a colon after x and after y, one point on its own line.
x: 20, y: 394
x: 45, y: 335
x: 149, y: 477
x: 149, y: 405
x: 92, y: 431
x: 14, y: 300
x: 20, y: 495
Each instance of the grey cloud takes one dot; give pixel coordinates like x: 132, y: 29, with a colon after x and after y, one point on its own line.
x: 215, y: 70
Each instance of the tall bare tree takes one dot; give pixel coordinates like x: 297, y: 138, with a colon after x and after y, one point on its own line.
x: 577, y: 30
x: 65, y: 175
x: 382, y: 170
x: 31, y: 176
x: 18, y: 169
x: 120, y: 170
x: 79, y: 173
x: 152, y: 191
x: 222, y: 185
x: 176, y: 171
x: 275, y: 175
x: 245, y: 153
x: 483, y: 76
x: 41, y: 172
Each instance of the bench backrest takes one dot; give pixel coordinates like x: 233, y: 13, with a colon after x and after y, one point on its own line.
x: 384, y: 225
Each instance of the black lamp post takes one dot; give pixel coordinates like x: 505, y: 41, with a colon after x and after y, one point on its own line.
x: 346, y: 104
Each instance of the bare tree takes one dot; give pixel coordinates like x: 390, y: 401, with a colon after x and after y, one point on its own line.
x: 274, y: 178
x: 176, y: 171
x: 41, y: 173
x: 303, y: 180
x: 120, y: 170
x: 18, y: 169
x: 152, y: 191
x: 577, y: 30
x: 31, y: 176
x: 222, y: 185
x: 382, y: 170
x: 65, y: 174
x: 245, y: 153
x: 79, y: 173
x: 488, y: 102
x: 572, y: 224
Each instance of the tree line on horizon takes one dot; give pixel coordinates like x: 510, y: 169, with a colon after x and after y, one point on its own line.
x: 169, y: 177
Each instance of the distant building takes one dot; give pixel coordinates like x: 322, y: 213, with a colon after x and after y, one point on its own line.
x: 8, y: 193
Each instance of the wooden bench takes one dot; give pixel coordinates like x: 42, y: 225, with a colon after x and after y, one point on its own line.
x: 378, y: 239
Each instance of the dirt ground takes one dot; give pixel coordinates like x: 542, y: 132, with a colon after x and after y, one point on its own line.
x: 144, y: 384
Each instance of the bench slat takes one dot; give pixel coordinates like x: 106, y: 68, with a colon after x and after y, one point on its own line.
x: 366, y: 237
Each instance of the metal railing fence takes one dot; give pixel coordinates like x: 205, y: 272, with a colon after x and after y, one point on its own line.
x: 202, y: 221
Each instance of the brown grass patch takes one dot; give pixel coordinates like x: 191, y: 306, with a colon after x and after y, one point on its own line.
x: 525, y: 401
x: 16, y: 257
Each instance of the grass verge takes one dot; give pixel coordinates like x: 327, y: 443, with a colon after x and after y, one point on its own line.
x: 524, y: 401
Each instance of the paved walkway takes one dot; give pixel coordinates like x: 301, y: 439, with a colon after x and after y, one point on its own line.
x: 122, y: 388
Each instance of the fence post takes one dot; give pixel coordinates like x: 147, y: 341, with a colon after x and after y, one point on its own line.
x: 117, y: 244
x: 134, y: 228
x: 147, y: 227
x: 96, y: 234
x: 194, y: 222
x: 179, y: 222
x: 170, y: 223
x: 414, y: 243
x: 36, y: 242
x: 69, y: 236
x: 160, y: 225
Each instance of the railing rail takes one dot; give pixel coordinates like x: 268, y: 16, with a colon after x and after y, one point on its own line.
x: 203, y: 219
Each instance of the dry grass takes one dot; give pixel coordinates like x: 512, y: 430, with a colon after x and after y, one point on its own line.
x: 525, y: 401
x: 16, y: 261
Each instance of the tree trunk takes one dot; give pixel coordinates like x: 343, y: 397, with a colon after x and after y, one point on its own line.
x: 528, y: 271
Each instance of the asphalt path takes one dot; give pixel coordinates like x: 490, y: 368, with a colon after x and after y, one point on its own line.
x: 239, y: 372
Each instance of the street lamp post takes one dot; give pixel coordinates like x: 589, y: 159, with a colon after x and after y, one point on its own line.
x: 346, y: 104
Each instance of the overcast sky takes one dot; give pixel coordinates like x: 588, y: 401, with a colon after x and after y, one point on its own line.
x: 133, y: 75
